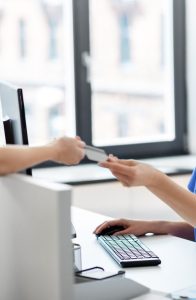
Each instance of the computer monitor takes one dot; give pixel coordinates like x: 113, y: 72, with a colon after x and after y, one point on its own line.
x: 13, y: 114
x: 36, y: 252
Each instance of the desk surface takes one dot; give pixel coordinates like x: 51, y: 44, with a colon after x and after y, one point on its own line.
x: 178, y: 256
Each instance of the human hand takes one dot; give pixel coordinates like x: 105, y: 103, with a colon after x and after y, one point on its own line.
x: 135, y: 227
x: 68, y: 150
x: 131, y: 172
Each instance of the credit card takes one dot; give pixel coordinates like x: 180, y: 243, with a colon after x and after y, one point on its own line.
x: 96, y: 154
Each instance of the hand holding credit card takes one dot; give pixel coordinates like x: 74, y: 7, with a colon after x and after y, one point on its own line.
x: 96, y: 154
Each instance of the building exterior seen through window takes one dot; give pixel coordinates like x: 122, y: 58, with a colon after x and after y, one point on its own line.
x: 33, y: 56
x: 125, y: 38
x: 131, y: 67
x: 132, y: 71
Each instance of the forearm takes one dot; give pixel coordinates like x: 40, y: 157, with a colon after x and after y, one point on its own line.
x: 179, y: 229
x: 16, y: 158
x: 178, y: 198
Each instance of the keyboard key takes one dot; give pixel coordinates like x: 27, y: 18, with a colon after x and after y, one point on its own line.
x: 152, y: 254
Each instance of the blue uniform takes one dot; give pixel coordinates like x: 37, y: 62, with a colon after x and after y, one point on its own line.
x: 192, y: 188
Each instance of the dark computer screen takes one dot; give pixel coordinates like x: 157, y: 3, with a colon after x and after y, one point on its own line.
x: 13, y: 112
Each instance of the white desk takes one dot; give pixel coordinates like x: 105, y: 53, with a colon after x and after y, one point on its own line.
x: 178, y: 256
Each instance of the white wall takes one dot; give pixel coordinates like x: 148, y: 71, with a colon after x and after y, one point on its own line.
x: 114, y: 200
x: 191, y: 72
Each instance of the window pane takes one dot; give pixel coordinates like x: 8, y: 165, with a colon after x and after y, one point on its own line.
x: 132, y: 71
x: 36, y: 54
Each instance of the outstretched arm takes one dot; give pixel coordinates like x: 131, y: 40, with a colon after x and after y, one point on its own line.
x: 178, y: 198
x: 63, y: 150
x: 134, y: 173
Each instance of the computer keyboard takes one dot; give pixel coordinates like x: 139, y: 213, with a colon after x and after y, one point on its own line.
x: 128, y: 250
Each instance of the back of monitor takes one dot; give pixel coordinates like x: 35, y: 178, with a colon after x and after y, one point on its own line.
x: 12, y: 115
x: 35, y: 246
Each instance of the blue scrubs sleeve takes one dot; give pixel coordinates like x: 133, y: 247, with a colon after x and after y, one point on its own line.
x: 192, y: 188
x: 192, y: 182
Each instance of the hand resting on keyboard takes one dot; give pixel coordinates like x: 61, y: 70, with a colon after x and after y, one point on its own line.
x: 123, y: 226
x: 125, y: 248
x: 110, y: 230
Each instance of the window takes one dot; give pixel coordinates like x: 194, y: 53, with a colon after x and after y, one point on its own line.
x: 37, y: 55
x: 111, y: 71
x: 138, y: 110
x: 54, y: 14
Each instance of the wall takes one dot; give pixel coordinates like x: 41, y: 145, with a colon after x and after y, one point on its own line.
x: 116, y: 201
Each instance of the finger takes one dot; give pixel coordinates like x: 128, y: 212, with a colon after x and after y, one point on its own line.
x: 116, y: 167
x: 102, y: 227
x: 125, y: 231
x: 107, y: 224
x: 81, y: 144
x: 99, y: 226
x: 122, y: 178
x: 112, y: 158
x: 82, y: 154
x: 122, y: 162
x: 105, y: 164
x: 121, y: 169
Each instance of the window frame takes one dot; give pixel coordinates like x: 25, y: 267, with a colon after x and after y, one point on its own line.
x: 83, y: 87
